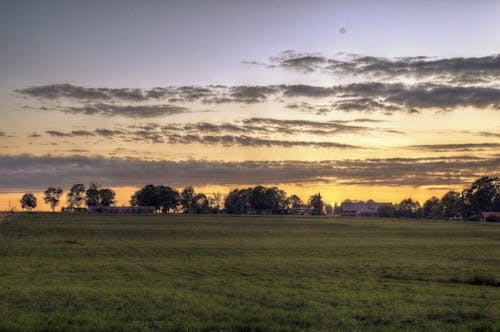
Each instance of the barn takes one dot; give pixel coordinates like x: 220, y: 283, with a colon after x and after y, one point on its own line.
x: 122, y: 209
x: 360, y: 209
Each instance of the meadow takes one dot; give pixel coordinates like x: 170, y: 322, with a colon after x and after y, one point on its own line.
x: 242, y: 273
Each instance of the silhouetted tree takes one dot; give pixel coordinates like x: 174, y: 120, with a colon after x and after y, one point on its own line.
x: 451, y: 202
x: 328, y: 209
x: 76, y: 195
x: 317, y: 204
x: 186, y: 200
x: 483, y: 195
x: 146, y: 196
x: 92, y: 195
x: 52, y: 196
x: 106, y: 197
x: 409, y: 208
x: 200, y: 203
x: 216, y: 200
x: 294, y: 204
x: 387, y: 211
x: 98, y: 196
x: 167, y: 198
x: 28, y: 201
x: 432, y: 208
x: 236, y: 201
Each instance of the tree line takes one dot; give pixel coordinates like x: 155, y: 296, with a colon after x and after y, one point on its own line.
x: 482, y: 196
x: 78, y: 196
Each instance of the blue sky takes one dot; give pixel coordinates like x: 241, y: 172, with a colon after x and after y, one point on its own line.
x: 147, y: 43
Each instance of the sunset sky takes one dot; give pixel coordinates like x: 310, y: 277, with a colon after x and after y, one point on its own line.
x: 354, y: 99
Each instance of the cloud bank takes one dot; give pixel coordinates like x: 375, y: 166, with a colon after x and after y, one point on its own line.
x: 36, y: 173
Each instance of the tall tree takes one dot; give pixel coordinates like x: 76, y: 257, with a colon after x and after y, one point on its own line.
x: 76, y: 195
x: 200, y: 203
x: 328, y: 209
x: 28, y: 201
x: 409, y: 208
x: 217, y: 200
x: 52, y: 196
x: 451, y: 202
x: 483, y: 195
x: 294, y: 204
x: 146, y: 196
x: 106, y: 197
x: 92, y: 195
x: 432, y: 208
x: 317, y: 204
x: 167, y: 198
x: 186, y: 200
x: 236, y: 201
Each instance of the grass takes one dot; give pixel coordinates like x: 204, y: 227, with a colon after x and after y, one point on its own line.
x: 209, y: 273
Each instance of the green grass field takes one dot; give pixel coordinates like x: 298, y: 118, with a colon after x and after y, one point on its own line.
x: 208, y: 273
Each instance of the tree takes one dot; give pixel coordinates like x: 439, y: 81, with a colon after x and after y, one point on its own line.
x: 277, y: 201
x: 99, y: 196
x: 167, y: 198
x: 294, y: 204
x: 317, y: 204
x: 482, y: 196
x: 216, y: 200
x: 76, y: 195
x: 200, y: 203
x: 328, y: 209
x: 432, y: 208
x: 146, y: 196
x: 106, y: 197
x: 92, y: 195
x: 450, y: 203
x: 52, y: 196
x: 387, y: 211
x: 28, y: 201
x: 409, y: 208
x: 236, y: 201
x: 186, y: 200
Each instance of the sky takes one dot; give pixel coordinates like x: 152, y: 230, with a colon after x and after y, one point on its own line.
x: 358, y: 100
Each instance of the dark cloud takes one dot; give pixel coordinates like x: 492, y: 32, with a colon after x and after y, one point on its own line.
x: 303, y: 62
x: 457, y: 70
x: 395, y: 97
x: 252, y: 132
x: 69, y: 91
x: 36, y: 173
x: 357, y: 97
x: 455, y: 147
x: 143, y: 111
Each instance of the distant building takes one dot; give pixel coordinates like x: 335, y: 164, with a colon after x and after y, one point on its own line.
x: 485, y: 215
x: 122, y: 209
x: 355, y: 209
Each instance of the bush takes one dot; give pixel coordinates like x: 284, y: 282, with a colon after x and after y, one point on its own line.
x: 474, y: 217
x: 492, y: 218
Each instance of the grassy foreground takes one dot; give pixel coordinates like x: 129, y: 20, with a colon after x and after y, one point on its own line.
x: 205, y: 273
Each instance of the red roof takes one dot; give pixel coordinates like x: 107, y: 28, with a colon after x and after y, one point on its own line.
x: 487, y: 214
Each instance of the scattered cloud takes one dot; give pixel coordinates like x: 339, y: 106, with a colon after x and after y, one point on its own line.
x: 463, y: 147
x: 356, y: 97
x: 457, y: 70
x: 251, y: 132
x: 130, y: 111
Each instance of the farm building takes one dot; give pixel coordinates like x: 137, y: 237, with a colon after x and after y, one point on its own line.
x: 485, y: 215
x: 355, y: 209
x: 122, y: 209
